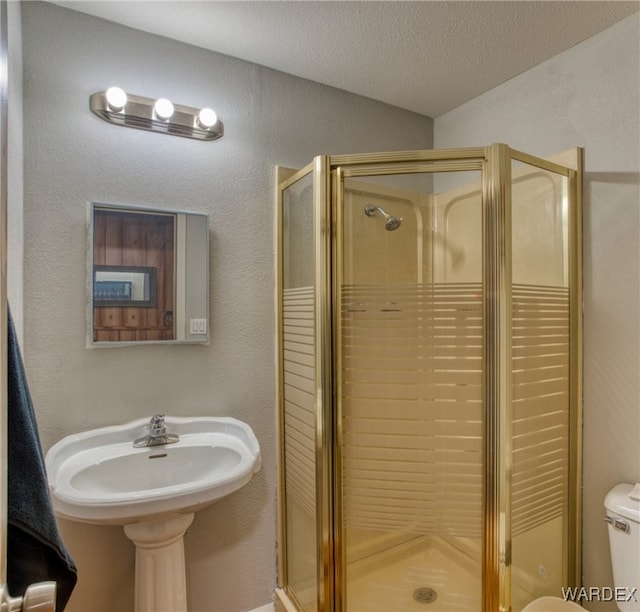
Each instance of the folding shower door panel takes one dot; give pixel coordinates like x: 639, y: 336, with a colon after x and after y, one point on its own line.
x: 411, y: 340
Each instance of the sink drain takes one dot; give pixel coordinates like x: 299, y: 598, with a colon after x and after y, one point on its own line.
x: 425, y: 595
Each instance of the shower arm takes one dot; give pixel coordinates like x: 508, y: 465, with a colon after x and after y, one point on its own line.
x: 390, y: 222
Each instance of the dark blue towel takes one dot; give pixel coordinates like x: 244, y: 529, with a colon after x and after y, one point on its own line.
x: 35, y: 551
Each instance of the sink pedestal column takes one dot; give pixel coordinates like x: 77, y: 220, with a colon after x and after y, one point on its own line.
x: 160, y: 581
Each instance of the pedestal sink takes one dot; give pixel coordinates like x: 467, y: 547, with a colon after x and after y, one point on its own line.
x: 99, y: 477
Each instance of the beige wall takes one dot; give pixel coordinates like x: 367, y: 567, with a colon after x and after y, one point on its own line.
x: 589, y: 97
x: 15, y: 213
x: 71, y: 158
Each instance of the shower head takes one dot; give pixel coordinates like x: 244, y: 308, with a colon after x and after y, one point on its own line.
x: 390, y: 222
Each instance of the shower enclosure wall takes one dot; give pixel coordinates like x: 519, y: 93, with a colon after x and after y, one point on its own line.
x: 429, y: 381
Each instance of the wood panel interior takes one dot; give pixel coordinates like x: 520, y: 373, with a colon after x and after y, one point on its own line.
x: 124, y: 238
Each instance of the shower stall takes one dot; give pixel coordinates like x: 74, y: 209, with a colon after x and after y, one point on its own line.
x: 429, y: 380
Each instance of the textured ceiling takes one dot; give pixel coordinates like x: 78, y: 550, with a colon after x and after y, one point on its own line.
x: 427, y: 56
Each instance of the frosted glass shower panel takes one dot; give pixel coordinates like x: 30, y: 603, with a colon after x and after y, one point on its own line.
x: 412, y: 390
x: 541, y: 387
x: 298, y: 390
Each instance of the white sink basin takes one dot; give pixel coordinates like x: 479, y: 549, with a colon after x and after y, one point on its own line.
x: 99, y: 477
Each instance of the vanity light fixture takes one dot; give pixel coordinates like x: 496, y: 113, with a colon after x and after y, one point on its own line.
x: 161, y: 115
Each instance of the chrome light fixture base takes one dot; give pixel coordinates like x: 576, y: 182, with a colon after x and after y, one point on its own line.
x: 138, y: 112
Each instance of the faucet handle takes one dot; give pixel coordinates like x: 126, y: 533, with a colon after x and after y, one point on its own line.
x: 157, y: 425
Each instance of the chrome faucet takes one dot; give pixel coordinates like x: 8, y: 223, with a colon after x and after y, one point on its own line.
x: 157, y: 434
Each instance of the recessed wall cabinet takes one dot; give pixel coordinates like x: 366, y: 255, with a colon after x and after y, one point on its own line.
x: 148, y: 276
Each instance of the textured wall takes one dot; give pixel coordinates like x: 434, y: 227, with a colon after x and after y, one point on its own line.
x: 14, y: 168
x: 71, y: 158
x: 589, y: 97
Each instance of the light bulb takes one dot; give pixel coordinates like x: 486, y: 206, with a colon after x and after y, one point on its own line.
x: 163, y: 108
x: 116, y: 98
x: 207, y: 118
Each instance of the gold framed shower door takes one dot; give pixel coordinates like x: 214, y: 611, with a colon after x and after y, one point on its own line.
x: 324, y: 442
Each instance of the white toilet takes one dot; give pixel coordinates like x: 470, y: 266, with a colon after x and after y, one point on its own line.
x: 623, y: 517
x: 552, y: 604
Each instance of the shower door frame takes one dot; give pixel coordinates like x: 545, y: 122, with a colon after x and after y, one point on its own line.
x: 494, y: 163
x: 319, y: 171
x: 354, y: 167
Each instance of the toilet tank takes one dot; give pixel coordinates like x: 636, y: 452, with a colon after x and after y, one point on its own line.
x: 623, y: 517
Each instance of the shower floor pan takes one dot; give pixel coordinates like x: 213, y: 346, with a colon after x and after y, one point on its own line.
x: 404, y: 578
x: 425, y: 575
